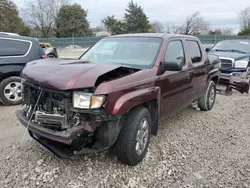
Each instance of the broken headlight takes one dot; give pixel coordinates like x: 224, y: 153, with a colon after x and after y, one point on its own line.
x: 87, y: 100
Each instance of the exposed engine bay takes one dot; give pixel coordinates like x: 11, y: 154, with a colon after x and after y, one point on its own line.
x: 115, y: 74
x: 53, y: 110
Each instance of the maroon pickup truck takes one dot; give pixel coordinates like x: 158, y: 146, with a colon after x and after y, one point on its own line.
x: 114, y: 95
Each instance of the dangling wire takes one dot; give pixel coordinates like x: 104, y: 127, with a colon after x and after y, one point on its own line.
x: 27, y: 128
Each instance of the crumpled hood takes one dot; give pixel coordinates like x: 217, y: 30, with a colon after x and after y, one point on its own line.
x: 65, y: 74
x: 234, y: 55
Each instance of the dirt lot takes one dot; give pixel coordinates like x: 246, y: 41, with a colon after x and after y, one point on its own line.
x: 193, y: 149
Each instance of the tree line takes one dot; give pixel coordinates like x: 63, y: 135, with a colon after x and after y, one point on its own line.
x: 62, y: 18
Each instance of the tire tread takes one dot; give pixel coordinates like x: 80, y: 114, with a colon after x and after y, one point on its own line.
x: 125, y: 139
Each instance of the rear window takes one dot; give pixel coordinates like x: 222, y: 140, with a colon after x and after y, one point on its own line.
x: 194, y: 51
x: 9, y: 47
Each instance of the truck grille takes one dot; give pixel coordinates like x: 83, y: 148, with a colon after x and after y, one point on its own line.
x: 226, y: 63
x: 51, y: 108
x: 48, y: 99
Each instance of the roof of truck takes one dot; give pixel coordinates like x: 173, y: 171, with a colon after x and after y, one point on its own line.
x: 157, y: 35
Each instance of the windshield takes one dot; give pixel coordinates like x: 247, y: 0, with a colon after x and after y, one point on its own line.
x: 135, y: 52
x: 234, y: 46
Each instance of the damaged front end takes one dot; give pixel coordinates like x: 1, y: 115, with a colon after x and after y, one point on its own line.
x: 66, y: 131
x: 233, y: 82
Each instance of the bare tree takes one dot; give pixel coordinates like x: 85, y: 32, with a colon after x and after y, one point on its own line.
x: 158, y: 27
x: 172, y: 28
x: 218, y: 31
x: 227, y: 31
x: 195, y: 24
x: 244, y: 17
x: 42, y: 14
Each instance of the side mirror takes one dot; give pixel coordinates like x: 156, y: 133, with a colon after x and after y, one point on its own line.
x: 172, y: 65
x: 208, y: 49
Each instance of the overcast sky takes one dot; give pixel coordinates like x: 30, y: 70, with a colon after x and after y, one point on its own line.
x: 220, y: 13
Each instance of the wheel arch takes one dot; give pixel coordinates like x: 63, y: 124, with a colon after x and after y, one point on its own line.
x: 10, y: 70
x: 10, y: 74
x: 148, y: 97
x: 153, y: 107
x: 215, y: 79
x: 214, y: 75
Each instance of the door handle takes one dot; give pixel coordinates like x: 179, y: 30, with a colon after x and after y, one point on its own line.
x: 188, y: 77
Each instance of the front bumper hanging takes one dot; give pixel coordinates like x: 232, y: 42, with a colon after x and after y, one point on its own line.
x: 233, y: 82
x: 65, y: 137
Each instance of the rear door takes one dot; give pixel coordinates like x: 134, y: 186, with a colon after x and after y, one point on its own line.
x: 175, y: 86
x: 198, y: 68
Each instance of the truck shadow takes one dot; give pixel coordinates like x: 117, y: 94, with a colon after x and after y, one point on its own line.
x: 166, y: 126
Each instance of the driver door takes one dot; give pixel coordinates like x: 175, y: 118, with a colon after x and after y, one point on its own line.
x: 175, y: 86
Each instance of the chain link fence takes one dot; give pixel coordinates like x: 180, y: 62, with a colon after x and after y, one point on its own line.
x: 76, y: 41
x: 89, y: 41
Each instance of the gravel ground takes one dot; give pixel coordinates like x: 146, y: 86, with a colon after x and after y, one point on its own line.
x: 193, y: 149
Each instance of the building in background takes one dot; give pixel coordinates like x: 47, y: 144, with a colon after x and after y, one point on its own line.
x: 102, y: 33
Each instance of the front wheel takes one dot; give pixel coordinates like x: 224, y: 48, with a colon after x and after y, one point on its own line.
x: 10, y: 91
x: 206, y: 102
x: 133, y: 141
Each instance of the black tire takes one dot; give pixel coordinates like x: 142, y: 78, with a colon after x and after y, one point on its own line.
x: 3, y: 84
x: 204, y: 102
x: 51, y: 56
x: 125, y: 147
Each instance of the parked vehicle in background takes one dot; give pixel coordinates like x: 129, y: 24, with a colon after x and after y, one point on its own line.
x: 208, y: 45
x: 8, y: 33
x: 49, y: 50
x: 15, y: 52
x: 116, y: 93
x: 234, y: 56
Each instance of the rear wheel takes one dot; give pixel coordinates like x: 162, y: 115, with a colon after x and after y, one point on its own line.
x: 10, y: 91
x: 51, y: 56
x: 132, y: 144
x: 206, y: 102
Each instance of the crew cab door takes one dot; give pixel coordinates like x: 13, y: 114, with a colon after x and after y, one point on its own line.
x: 176, y: 86
x: 198, y: 67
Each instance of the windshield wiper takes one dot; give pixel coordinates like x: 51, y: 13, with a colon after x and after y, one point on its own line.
x: 234, y: 50
x: 219, y: 50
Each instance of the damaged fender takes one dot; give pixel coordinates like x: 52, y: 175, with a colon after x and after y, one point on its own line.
x: 130, y: 100
x: 234, y: 82
x: 135, y: 98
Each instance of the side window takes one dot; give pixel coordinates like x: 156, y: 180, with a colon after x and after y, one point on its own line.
x: 175, y: 52
x: 194, y: 51
x: 13, y: 47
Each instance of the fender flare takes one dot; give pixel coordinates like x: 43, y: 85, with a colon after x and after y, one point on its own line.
x: 213, y: 73
x: 135, y: 98
x: 132, y: 99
